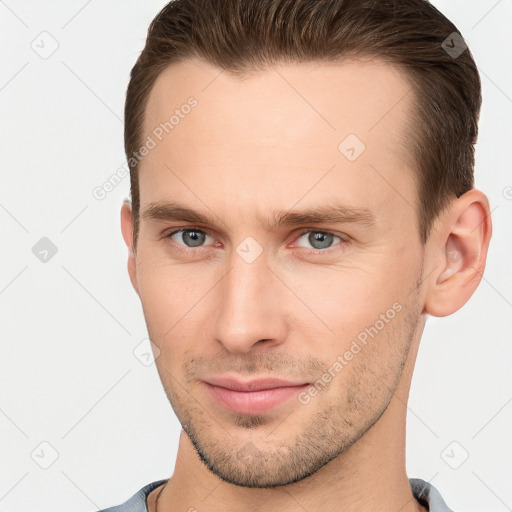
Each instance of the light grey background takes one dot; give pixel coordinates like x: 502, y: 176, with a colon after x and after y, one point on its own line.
x: 69, y: 326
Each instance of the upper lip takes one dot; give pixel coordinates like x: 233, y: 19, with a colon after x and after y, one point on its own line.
x: 251, y: 385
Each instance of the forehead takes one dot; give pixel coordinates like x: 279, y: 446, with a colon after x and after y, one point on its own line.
x: 278, y: 132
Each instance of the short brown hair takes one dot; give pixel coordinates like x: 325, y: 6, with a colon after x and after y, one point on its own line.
x: 243, y: 36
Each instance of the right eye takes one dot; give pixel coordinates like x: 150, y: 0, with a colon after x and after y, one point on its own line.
x: 189, y: 237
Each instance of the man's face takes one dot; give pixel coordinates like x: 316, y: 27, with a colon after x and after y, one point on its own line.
x: 246, y: 295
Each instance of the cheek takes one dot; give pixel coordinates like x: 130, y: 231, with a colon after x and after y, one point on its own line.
x: 171, y: 301
x: 168, y: 290
x: 345, y: 301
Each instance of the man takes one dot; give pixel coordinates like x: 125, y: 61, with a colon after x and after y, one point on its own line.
x: 302, y: 197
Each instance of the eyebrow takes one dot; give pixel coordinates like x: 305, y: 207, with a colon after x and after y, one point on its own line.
x: 329, y: 213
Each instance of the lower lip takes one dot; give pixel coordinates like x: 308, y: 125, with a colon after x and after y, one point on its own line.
x: 252, y: 402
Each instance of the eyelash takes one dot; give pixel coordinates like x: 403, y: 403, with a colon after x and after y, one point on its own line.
x: 185, y: 249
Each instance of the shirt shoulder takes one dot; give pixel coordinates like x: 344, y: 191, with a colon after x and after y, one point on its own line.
x: 428, y: 495
x: 137, y: 503
x: 423, y: 491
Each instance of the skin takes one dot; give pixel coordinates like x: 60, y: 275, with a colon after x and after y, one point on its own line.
x: 250, y: 148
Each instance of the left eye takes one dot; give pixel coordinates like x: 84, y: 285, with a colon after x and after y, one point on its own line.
x: 319, y: 239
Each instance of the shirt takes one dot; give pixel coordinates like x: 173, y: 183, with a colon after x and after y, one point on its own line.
x: 424, y: 492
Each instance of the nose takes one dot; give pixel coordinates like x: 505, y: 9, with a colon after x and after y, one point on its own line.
x: 250, y: 307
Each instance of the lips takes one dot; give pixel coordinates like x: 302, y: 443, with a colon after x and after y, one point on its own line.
x: 256, y: 396
x: 252, y: 385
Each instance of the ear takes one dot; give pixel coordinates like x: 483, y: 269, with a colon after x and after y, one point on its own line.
x: 127, y: 230
x: 458, y: 252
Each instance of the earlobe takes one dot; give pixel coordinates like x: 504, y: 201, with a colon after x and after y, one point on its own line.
x: 127, y: 231
x: 460, y: 251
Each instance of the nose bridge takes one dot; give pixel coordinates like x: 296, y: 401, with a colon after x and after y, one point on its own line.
x: 246, y: 308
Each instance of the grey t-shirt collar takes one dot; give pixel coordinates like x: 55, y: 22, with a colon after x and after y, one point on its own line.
x: 426, y: 494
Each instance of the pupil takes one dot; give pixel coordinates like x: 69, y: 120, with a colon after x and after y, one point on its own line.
x: 320, y: 240
x: 195, y: 238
